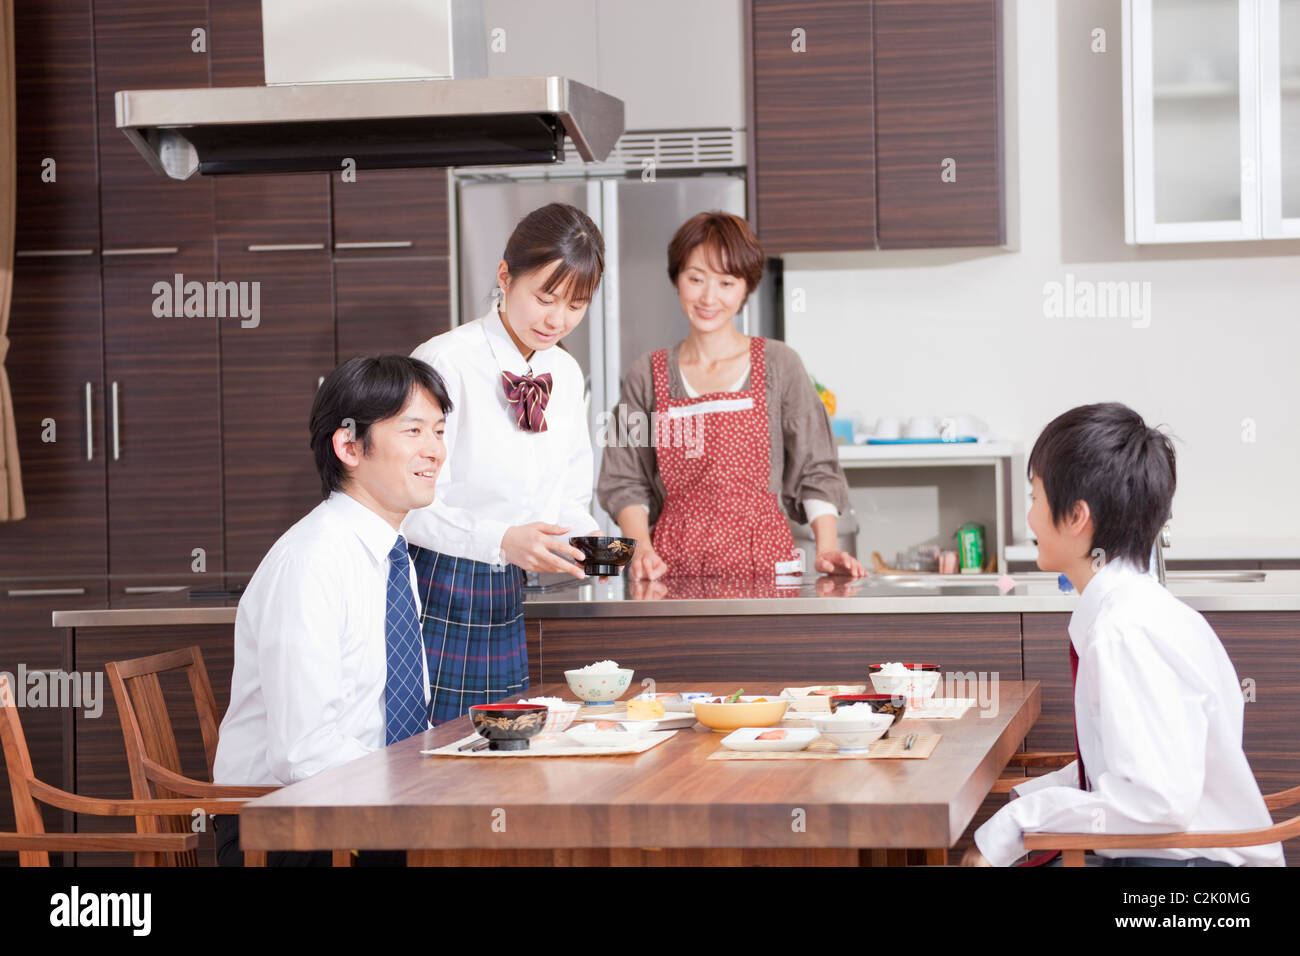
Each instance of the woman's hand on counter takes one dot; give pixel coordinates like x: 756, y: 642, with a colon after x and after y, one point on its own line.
x: 646, y: 564
x: 836, y: 586
x: 644, y: 590
x: 838, y: 562
x: 533, y: 547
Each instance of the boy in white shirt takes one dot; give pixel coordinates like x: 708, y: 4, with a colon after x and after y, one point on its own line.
x: 1157, y: 704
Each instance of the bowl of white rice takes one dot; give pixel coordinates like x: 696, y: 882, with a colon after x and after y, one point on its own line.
x: 600, y: 683
x: 916, y: 682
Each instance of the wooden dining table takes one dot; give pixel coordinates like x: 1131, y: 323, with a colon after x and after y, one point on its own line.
x: 670, y: 805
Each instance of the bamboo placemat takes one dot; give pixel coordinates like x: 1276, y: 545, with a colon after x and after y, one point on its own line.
x: 643, y: 743
x: 941, y: 708
x: 824, y: 749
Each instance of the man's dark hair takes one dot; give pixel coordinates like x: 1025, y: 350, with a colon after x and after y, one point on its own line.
x: 360, y: 392
x: 1107, y: 456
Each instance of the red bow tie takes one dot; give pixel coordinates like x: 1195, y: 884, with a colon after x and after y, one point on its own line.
x: 529, y: 395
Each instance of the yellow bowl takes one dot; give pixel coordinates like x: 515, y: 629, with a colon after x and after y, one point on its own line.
x: 724, y: 718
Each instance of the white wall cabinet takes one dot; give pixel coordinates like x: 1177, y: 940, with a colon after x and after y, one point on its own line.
x: 1211, y: 120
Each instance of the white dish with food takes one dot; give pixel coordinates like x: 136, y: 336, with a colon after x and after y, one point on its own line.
x: 769, y: 738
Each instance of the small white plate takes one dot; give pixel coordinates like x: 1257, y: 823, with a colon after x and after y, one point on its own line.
x: 796, y: 738
x: 671, y: 720
x: 591, y: 736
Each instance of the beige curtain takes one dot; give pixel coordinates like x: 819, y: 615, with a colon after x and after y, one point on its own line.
x: 12, y: 506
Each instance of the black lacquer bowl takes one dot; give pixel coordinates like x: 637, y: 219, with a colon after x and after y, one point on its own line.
x: 604, y: 556
x: 508, y: 726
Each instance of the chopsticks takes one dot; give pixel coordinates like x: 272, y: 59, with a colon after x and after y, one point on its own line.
x: 908, y: 741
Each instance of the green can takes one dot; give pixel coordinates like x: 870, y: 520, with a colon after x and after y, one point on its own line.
x: 970, y: 545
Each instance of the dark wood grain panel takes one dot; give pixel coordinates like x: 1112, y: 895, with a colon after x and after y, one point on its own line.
x: 164, y: 491
x: 236, y: 43
x: 285, y: 208
x: 1047, y: 660
x: 55, y: 101
x: 389, y: 305
x: 813, y: 141
x: 938, y: 96
x: 392, y: 205
x: 101, y: 769
x: 55, y: 351
x: 29, y: 644
x: 809, y: 649
x: 147, y: 44
x: 269, y: 377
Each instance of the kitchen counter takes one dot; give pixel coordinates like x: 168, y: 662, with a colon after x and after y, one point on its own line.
x: 879, y: 594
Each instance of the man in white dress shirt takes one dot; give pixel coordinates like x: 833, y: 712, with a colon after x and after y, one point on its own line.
x: 1158, y: 708
x: 329, y: 664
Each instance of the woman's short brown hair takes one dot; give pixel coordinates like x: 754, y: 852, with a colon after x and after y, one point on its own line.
x: 730, y: 247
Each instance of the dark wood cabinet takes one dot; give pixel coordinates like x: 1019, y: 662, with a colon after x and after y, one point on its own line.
x: 390, y: 212
x: 813, y: 158
x: 56, y: 163
x: 876, y: 124
x: 938, y: 122
x: 31, y: 649
x: 148, y: 44
x: 266, y: 215
x: 269, y: 376
x: 56, y: 378
x: 236, y: 43
x: 163, y: 442
x: 389, y: 305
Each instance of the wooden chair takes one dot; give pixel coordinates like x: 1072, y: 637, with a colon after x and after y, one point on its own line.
x: 1074, y: 845
x: 151, y: 751
x: 34, y: 845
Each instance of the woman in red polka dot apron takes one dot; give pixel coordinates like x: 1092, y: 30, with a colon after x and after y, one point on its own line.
x: 719, y: 518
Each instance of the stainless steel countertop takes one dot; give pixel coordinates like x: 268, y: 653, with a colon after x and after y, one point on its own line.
x: 978, y: 594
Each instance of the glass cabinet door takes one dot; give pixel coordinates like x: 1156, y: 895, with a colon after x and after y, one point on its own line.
x: 1279, y: 57
x: 1192, y: 130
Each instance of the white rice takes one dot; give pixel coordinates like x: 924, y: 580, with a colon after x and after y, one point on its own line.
x: 848, y: 712
x: 600, y: 667
x: 545, y: 701
x: 894, y: 669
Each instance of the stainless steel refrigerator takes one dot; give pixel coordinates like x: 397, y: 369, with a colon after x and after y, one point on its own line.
x: 636, y: 310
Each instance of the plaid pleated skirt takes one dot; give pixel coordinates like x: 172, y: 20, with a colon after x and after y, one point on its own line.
x: 472, y: 619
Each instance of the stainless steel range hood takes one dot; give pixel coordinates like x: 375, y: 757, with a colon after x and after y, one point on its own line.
x: 388, y: 83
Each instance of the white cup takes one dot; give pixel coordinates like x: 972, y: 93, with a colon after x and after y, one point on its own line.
x: 887, y: 428
x: 923, y: 427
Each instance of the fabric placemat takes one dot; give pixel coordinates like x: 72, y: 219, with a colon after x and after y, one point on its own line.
x: 643, y: 743
x: 824, y: 749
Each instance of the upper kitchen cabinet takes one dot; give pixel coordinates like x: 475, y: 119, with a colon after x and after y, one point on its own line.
x: 813, y: 164
x: 58, y: 186
x: 390, y: 212
x: 938, y: 121
x: 148, y: 44
x: 1211, y: 120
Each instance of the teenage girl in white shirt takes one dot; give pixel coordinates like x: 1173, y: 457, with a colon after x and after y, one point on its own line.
x: 518, y: 476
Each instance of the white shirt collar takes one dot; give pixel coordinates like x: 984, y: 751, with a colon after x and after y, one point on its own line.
x: 1112, y: 575
x: 503, y: 346
x: 375, y: 533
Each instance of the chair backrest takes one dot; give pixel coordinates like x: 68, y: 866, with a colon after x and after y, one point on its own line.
x: 147, y: 726
x: 18, y: 762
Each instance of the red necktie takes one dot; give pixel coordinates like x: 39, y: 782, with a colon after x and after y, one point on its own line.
x: 1047, y: 856
x: 529, y: 395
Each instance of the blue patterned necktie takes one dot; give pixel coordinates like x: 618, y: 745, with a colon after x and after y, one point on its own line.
x: 405, y: 712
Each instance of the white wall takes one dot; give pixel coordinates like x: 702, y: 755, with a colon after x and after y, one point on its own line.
x: 948, y: 332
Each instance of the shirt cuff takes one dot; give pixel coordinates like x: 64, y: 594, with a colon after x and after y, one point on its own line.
x: 488, y: 542
x: 1067, y: 776
x: 1000, y: 839
x: 814, y: 508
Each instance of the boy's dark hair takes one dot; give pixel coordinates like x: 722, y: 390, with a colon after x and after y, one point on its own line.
x: 1107, y: 456
x: 360, y: 392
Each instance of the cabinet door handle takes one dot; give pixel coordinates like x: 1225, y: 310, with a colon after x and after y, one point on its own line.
x: 143, y: 251
x: 154, y: 589
x: 90, y: 427
x: 287, y: 247
x: 117, y: 433
x: 392, y: 244
x: 46, y: 592
x: 51, y: 253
